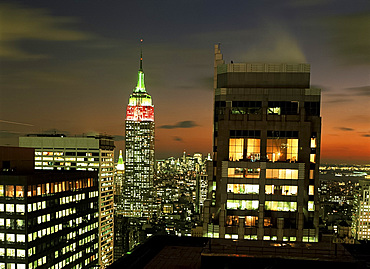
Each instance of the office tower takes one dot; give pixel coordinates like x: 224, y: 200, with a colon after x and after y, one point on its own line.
x: 266, y: 152
x: 48, y: 219
x: 94, y: 153
x: 361, y: 216
x: 119, y: 176
x: 139, y: 133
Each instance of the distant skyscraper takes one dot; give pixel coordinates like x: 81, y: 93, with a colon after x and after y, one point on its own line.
x: 361, y: 216
x: 266, y: 152
x: 139, y: 171
x: 58, y: 152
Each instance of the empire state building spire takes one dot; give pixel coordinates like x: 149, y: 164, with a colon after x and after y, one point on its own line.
x: 140, y: 87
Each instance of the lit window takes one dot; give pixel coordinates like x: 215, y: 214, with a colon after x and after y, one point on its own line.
x: 21, y: 253
x: 19, y: 191
x: 9, y: 191
x: 243, y: 188
x: 269, y: 189
x: 10, y: 252
x: 289, y: 190
x: 282, y: 149
x: 242, y: 204
x: 251, y: 221
x: 313, y: 142
x: 311, y: 206
x: 311, y: 190
x: 1, y: 190
x: 280, y: 206
x: 236, y: 149
x: 232, y: 220
x: 312, y: 158
x: 20, y: 208
x: 282, y: 173
x: 9, y: 207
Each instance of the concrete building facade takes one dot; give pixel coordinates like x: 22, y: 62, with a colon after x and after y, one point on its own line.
x: 266, y: 152
x: 95, y: 153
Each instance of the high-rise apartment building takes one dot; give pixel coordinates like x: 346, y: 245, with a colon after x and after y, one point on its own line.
x: 266, y: 152
x: 139, y: 165
x: 361, y: 214
x: 95, y: 153
x: 48, y: 219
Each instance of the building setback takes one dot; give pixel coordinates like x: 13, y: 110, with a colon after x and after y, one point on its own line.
x: 138, y: 186
x: 48, y: 219
x: 266, y: 153
x: 94, y: 153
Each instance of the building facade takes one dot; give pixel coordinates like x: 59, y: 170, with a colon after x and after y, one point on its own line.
x: 95, y: 153
x: 138, y: 189
x: 48, y: 219
x: 361, y: 214
x: 266, y: 152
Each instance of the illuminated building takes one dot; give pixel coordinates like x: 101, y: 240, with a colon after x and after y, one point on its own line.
x: 139, y: 170
x: 95, y: 153
x: 48, y: 219
x: 361, y: 216
x: 266, y: 152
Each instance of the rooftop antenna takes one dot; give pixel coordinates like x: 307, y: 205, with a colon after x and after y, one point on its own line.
x: 141, y: 54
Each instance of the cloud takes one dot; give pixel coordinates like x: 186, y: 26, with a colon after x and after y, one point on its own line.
x: 345, y: 129
x: 16, y: 123
x: 366, y: 135
x: 9, y: 134
x: 361, y: 91
x: 23, y: 23
x: 176, y: 138
x: 181, y: 124
x: 349, y: 37
x: 275, y: 44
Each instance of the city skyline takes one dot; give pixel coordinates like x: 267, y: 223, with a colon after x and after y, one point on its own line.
x: 70, y: 66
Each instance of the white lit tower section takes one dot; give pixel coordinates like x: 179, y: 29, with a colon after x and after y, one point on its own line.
x: 138, y: 185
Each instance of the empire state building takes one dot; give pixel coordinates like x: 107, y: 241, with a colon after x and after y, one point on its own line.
x: 138, y: 186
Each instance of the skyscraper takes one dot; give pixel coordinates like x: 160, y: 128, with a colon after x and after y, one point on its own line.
x: 48, y: 219
x: 139, y: 170
x: 93, y: 153
x: 266, y: 152
x: 361, y: 214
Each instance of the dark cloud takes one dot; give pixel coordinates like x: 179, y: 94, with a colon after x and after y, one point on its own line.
x: 119, y: 138
x: 181, y: 124
x: 345, y: 129
x: 349, y: 37
x: 335, y: 101
x: 176, y: 138
x: 25, y: 23
x: 361, y: 91
x: 9, y: 134
x: 366, y: 135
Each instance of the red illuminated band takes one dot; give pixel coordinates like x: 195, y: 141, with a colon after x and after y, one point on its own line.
x: 140, y: 113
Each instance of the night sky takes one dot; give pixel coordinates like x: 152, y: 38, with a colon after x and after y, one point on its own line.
x: 69, y: 66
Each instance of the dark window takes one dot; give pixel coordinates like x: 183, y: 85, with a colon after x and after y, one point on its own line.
x: 283, y: 134
x: 312, y: 108
x: 282, y: 108
x: 246, y: 107
x: 245, y: 133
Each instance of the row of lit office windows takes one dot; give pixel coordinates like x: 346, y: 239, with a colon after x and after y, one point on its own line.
x: 269, y: 205
x: 269, y: 189
x: 17, y: 191
x: 255, y: 173
x: 13, y: 208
